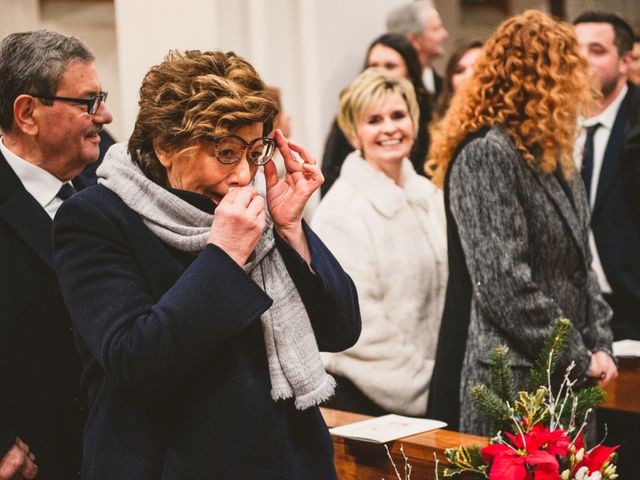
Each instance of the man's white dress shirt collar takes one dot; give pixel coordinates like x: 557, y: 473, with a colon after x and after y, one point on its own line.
x: 42, y: 185
x: 607, y: 117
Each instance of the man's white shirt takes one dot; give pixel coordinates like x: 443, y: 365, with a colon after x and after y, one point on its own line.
x: 429, y: 80
x: 42, y: 185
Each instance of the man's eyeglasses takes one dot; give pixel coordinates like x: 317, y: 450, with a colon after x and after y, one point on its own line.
x: 229, y: 149
x: 93, y: 103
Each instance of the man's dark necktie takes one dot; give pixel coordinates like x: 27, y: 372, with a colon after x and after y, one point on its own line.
x: 66, y: 191
x: 587, y: 158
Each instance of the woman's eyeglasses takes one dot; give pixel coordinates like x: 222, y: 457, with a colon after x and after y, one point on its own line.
x: 93, y: 103
x: 229, y: 149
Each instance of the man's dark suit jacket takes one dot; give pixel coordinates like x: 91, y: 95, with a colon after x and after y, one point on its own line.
x: 616, y: 219
x: 39, y: 367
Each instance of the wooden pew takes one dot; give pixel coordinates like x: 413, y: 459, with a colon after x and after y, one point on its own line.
x: 356, y: 460
x: 623, y: 393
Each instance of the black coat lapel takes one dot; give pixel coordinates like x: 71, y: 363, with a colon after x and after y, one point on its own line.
x: 611, y: 160
x: 24, y: 214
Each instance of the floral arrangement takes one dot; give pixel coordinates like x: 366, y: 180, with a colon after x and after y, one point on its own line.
x: 538, y: 436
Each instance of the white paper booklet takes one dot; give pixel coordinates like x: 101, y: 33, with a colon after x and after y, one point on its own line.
x: 626, y: 348
x: 386, y: 428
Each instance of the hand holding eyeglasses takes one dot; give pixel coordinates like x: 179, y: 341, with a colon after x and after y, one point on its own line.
x: 287, y: 197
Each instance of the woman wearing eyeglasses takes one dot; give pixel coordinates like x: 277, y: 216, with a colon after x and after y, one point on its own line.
x: 199, y: 306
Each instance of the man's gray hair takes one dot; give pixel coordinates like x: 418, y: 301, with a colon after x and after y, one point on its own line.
x: 408, y: 18
x: 33, y: 63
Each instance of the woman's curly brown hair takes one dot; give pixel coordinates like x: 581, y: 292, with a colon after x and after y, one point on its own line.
x: 532, y: 81
x: 193, y: 97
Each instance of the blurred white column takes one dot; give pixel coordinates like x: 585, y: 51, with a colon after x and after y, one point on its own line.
x: 18, y: 16
x: 146, y: 31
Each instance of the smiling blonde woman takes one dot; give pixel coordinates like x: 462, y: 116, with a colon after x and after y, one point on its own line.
x: 385, y: 224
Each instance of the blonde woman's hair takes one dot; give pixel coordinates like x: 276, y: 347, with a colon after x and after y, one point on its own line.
x: 193, y: 97
x: 370, y: 87
x: 532, y: 81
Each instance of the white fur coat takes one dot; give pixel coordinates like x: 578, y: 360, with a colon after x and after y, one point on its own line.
x: 391, y: 240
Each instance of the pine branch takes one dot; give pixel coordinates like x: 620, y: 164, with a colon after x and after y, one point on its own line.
x: 502, y: 375
x: 491, y: 405
x: 547, y: 360
x: 588, y: 398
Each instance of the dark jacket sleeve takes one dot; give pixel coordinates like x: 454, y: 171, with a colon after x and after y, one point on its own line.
x: 335, y: 151
x: 7, y: 430
x: 630, y: 154
x: 144, y: 341
x: 328, y: 293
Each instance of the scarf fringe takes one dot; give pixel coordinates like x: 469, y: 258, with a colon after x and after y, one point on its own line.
x: 321, y: 394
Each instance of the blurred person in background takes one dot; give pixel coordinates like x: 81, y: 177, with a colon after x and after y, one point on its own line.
x: 609, y: 156
x: 634, y: 66
x: 394, y: 54
x: 385, y: 224
x: 459, y: 70
x: 420, y: 22
x: 612, y: 140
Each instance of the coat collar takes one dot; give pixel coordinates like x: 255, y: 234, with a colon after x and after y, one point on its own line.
x: 24, y: 214
x: 385, y: 196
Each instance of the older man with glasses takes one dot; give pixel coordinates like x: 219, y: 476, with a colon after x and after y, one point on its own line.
x: 51, y: 114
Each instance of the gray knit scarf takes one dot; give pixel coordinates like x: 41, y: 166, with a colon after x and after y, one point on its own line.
x: 295, y: 367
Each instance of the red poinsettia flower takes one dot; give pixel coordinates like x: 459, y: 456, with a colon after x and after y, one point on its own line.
x: 530, y: 456
x: 556, y: 442
x: 596, y: 458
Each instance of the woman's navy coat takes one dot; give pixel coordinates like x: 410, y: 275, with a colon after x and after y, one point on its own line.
x: 174, y: 359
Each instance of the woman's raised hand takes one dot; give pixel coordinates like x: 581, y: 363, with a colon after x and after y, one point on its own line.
x: 239, y: 221
x: 287, y: 197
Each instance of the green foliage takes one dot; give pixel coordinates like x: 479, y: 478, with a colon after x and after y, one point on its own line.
x: 519, y: 412
x: 531, y: 409
x: 502, y: 375
x: 494, y: 401
x: 588, y: 398
x: 547, y: 360
x: 466, y: 460
x: 491, y: 405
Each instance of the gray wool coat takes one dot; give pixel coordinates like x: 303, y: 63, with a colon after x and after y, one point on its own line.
x: 525, y: 240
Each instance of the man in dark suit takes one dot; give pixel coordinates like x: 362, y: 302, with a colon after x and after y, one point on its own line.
x: 423, y: 27
x: 51, y: 113
x: 611, y: 171
x: 610, y: 152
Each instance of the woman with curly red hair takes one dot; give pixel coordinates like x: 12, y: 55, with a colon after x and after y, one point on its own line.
x: 517, y: 217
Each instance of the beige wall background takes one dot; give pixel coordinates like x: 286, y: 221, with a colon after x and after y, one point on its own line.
x: 308, y: 48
